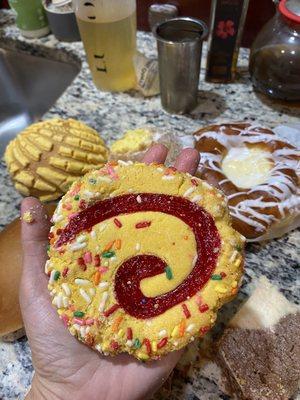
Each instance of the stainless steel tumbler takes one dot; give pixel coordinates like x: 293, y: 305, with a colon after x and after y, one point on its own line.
x: 179, y: 43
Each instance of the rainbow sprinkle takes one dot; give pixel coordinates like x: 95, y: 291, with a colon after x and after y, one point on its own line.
x: 169, y: 273
x: 87, y: 257
x: 97, y: 260
x: 108, y: 254
x: 182, y: 327
x: 116, y: 323
x: 216, y: 277
x: 203, y: 308
x: 118, y: 223
x: 204, y: 330
x: 143, y: 224
x: 114, y: 345
x: 186, y: 311
x: 78, y: 314
x: 129, y: 334
x: 108, y: 246
x: 97, y: 278
x: 56, y: 275
x: 162, y: 343
x: 147, y: 344
x: 118, y: 244
x: 111, y: 310
x: 65, y: 272
x: 137, y: 344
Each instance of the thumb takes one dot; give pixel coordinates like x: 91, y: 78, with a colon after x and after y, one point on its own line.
x: 34, y: 234
x: 40, y: 318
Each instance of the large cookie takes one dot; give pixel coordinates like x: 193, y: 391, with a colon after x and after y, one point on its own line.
x: 141, y: 259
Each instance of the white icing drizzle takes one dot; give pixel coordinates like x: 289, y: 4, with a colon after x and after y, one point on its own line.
x: 212, y: 161
x: 223, y: 181
x: 279, y: 185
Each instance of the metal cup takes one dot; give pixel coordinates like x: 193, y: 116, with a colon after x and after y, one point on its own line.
x: 179, y: 43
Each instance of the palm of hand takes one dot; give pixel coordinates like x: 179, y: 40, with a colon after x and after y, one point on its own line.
x: 65, y: 368
x: 73, y: 369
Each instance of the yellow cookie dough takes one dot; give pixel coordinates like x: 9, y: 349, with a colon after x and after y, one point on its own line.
x: 132, y: 142
x: 28, y: 217
x: 133, y: 145
x: 47, y: 157
x: 82, y: 271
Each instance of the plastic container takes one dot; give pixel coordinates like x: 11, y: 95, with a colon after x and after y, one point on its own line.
x: 108, y: 32
x: 62, y: 22
x: 31, y: 18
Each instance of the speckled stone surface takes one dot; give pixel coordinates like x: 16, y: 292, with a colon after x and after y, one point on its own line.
x: 112, y: 114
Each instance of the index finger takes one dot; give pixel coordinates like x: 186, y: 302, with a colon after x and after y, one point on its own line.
x: 188, y: 161
x: 156, y: 154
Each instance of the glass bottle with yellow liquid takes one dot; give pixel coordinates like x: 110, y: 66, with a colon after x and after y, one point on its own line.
x: 108, y: 32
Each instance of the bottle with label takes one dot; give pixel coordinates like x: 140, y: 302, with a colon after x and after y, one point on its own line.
x: 227, y: 23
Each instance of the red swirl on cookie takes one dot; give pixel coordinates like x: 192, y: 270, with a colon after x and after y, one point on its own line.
x: 135, y: 269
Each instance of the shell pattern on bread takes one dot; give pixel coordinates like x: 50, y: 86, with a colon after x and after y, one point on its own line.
x: 264, y: 198
x: 47, y: 157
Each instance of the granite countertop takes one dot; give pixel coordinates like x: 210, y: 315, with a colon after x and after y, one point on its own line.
x: 111, y: 115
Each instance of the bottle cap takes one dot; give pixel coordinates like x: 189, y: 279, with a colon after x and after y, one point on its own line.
x: 290, y: 9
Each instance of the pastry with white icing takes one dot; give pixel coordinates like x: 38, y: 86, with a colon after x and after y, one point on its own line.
x: 258, y: 172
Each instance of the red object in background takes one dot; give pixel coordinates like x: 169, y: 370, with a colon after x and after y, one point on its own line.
x: 4, y: 4
x: 287, y: 13
x: 225, y: 29
x: 257, y: 16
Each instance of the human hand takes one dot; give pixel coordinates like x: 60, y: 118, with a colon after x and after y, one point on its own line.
x: 64, y: 367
